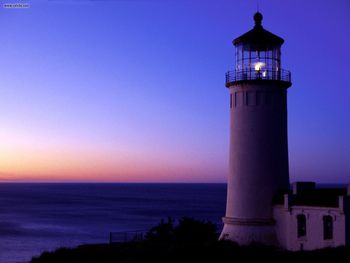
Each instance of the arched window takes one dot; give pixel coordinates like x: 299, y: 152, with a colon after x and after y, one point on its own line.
x: 301, y: 225
x: 327, y: 227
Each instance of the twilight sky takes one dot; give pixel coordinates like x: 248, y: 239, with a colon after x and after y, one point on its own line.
x: 133, y: 90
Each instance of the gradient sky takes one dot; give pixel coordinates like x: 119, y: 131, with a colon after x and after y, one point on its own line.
x: 133, y: 90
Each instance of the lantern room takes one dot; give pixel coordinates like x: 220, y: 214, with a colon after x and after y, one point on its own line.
x: 258, y: 56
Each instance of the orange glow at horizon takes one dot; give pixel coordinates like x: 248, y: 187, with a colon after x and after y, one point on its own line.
x: 24, y: 158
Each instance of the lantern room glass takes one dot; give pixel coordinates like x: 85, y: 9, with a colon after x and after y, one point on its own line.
x: 258, y: 63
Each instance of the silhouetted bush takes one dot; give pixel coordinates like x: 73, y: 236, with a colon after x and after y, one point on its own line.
x: 163, y: 232
x: 188, y: 230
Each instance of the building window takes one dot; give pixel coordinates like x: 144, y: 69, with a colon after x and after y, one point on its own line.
x: 301, y: 225
x: 231, y: 102
x: 327, y: 227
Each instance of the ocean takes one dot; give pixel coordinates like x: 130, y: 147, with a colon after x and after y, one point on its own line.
x: 42, y: 217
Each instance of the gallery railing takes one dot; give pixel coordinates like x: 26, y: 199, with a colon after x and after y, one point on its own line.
x: 262, y: 74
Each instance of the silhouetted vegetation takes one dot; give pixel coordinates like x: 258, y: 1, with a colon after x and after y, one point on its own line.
x: 188, y: 230
x: 188, y: 241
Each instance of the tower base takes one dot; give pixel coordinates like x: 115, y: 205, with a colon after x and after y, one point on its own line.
x: 248, y: 231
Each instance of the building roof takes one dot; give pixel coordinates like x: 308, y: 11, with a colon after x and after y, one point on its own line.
x: 320, y: 197
x: 327, y: 197
x: 259, y: 38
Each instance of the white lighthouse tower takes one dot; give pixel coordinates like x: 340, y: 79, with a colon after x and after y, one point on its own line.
x: 258, y: 155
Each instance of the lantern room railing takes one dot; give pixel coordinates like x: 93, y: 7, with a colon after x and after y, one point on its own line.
x: 252, y: 74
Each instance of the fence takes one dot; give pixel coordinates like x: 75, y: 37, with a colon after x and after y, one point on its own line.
x: 138, y: 235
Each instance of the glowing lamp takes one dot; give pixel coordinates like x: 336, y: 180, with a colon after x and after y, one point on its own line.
x: 259, y: 65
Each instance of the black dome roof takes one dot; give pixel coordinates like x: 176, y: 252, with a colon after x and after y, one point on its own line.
x: 258, y: 37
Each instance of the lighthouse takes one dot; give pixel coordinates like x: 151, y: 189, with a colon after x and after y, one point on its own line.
x: 258, y: 151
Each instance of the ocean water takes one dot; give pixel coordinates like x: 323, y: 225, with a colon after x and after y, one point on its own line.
x: 39, y: 217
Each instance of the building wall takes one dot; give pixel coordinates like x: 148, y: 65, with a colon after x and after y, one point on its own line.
x: 280, y: 215
x: 346, y: 209
x: 286, y: 227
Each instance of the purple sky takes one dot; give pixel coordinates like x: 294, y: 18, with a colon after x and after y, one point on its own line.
x: 133, y: 90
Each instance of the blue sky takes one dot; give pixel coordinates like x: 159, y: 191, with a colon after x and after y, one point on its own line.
x: 133, y: 90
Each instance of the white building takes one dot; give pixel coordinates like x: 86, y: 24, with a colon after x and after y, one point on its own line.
x: 312, y: 218
x: 260, y: 207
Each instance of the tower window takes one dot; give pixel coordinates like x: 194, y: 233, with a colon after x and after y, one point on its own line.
x: 258, y: 98
x: 231, y: 102
x: 301, y: 225
x: 327, y: 227
x: 239, y: 98
x: 251, y: 99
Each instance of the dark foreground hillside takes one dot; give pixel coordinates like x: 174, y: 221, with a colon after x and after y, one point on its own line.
x: 189, y: 241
